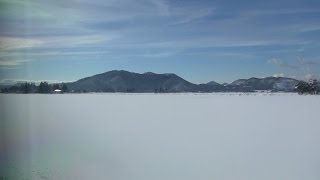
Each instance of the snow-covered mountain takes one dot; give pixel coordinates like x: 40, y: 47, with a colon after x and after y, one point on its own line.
x: 268, y: 83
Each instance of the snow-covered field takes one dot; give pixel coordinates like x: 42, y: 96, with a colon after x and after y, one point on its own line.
x: 160, y: 136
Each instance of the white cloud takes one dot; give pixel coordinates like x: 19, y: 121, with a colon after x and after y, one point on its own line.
x: 279, y: 75
x: 310, y: 76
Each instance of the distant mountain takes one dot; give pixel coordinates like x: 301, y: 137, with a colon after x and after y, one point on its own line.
x: 124, y: 81
x: 211, y: 86
x: 238, y: 82
x: 268, y: 83
x: 213, y: 83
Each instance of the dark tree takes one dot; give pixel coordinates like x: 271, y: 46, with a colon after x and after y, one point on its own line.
x: 13, y: 89
x: 312, y: 87
x: 64, y: 88
x: 55, y: 86
x: 130, y: 90
x: 302, y: 87
x: 4, y: 90
x: 44, y: 87
x: 27, y: 87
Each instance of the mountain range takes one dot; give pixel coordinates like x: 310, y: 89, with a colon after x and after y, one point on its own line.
x: 124, y: 81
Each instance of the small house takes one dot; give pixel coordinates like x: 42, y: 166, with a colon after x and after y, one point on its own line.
x: 57, y: 91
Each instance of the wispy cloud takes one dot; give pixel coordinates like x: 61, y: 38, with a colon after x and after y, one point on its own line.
x: 162, y: 6
x: 12, y: 62
x: 204, y: 42
x: 279, y: 75
x: 52, y: 53
x: 300, y: 67
x: 309, y: 27
x: 81, y: 16
x: 306, y: 65
x: 193, y: 16
x: 283, y: 11
x: 310, y: 76
x: 7, y: 43
x: 159, y: 29
x: 160, y: 54
x: 281, y: 63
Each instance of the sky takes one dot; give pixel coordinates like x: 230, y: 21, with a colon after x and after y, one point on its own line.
x: 201, y: 41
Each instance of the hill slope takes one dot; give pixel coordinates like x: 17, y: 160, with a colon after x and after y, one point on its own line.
x: 268, y: 83
x: 124, y: 81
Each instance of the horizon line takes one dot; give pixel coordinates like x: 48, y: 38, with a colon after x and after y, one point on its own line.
x: 7, y: 82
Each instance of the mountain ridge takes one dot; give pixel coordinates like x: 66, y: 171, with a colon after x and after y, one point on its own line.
x: 149, y: 82
x: 125, y: 81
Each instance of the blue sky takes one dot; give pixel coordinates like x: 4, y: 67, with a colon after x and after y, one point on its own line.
x: 65, y: 40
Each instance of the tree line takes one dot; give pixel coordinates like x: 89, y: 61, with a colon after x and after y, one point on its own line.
x: 311, y: 87
x: 42, y: 88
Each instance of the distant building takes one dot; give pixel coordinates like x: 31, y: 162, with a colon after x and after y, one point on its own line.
x: 57, y: 91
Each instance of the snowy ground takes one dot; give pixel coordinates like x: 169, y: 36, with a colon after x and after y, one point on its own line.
x: 160, y: 136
